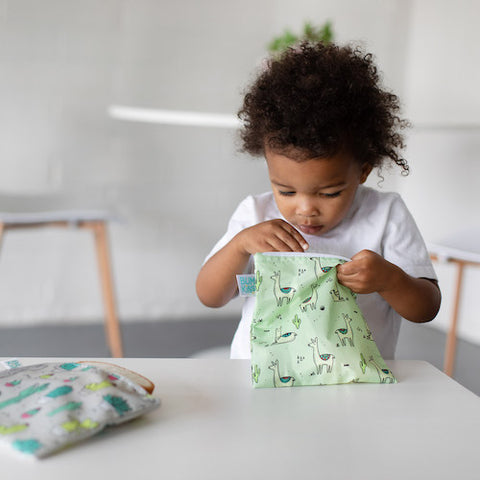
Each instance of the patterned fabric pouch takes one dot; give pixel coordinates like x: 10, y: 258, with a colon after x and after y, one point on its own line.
x: 307, y: 328
x: 48, y: 406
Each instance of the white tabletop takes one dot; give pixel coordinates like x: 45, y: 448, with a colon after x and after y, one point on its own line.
x: 213, y: 425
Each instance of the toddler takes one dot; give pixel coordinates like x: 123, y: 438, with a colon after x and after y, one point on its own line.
x: 320, y: 117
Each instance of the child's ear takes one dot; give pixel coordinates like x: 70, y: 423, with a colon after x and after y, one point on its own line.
x: 365, y: 172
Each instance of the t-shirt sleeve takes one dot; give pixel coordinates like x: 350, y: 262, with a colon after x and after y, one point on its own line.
x: 403, y: 244
x: 242, y: 217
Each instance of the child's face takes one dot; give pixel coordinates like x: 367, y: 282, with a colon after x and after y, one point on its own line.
x: 315, y: 195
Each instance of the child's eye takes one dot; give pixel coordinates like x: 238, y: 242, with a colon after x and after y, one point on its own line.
x: 286, y: 194
x: 332, y: 195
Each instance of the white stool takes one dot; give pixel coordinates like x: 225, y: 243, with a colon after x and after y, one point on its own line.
x: 96, y: 221
x: 461, y: 259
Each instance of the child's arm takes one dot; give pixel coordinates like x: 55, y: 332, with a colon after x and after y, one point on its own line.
x: 216, y: 281
x: 416, y: 299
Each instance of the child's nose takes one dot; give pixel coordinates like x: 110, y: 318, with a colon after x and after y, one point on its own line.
x: 307, y: 207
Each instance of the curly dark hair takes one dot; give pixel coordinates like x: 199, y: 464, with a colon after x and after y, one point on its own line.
x: 317, y: 100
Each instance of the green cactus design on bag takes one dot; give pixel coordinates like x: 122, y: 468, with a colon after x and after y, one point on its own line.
x: 307, y: 328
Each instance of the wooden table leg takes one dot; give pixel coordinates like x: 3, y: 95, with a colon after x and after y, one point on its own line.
x: 450, y: 348
x: 112, y: 326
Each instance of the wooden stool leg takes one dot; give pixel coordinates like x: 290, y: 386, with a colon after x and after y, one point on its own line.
x: 2, y: 229
x: 449, y: 361
x: 112, y: 326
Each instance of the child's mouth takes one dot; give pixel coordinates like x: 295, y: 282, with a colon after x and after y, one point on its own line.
x: 310, y: 229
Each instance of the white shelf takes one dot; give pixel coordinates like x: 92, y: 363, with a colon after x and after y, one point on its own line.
x: 474, y: 127
x: 173, y: 117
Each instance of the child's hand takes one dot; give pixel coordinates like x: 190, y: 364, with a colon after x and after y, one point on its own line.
x: 271, y: 236
x: 416, y: 299
x: 216, y: 282
x: 368, y: 272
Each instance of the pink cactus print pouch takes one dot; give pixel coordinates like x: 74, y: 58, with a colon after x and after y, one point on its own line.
x: 47, y: 407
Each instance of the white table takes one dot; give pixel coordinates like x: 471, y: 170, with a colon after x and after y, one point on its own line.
x: 213, y: 425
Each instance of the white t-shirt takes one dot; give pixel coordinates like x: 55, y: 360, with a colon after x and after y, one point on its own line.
x: 377, y: 221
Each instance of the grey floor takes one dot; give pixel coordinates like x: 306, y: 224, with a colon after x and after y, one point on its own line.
x: 209, y: 338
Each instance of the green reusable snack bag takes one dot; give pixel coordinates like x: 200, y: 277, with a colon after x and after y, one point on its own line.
x: 307, y: 328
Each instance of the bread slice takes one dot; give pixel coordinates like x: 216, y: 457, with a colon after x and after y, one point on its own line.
x: 144, y: 382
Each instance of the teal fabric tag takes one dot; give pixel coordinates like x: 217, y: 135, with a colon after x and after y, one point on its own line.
x: 246, y: 285
x: 307, y: 328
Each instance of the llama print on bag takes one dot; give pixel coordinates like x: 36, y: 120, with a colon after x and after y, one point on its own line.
x: 346, y: 334
x: 310, y: 301
x: 281, y: 293
x: 321, y: 360
x: 385, y: 375
x: 285, y: 338
x: 309, y: 319
x: 278, y: 380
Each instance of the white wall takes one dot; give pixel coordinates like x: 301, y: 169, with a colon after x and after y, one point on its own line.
x: 65, y: 62
x: 442, y: 100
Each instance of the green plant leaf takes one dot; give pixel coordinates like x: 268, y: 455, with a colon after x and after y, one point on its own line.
x: 311, y: 33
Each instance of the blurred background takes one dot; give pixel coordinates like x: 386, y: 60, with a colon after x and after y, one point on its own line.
x: 63, y: 64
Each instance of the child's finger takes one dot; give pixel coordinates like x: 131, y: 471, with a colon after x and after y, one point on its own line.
x: 292, y: 240
x: 347, y: 269
x: 274, y: 243
x: 293, y: 232
x: 289, y: 242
